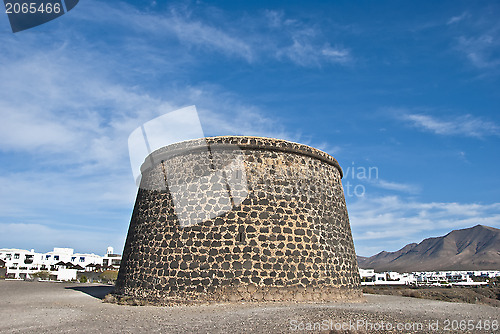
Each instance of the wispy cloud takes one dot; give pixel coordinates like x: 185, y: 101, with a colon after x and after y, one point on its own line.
x: 463, y: 125
x: 456, y: 19
x: 304, y: 53
x: 68, y: 109
x: 38, y: 236
x: 337, y: 55
x: 252, y: 39
x: 165, y: 26
x: 402, y: 187
x: 481, y: 50
x: 303, y: 44
x: 198, y: 33
x: 478, y: 38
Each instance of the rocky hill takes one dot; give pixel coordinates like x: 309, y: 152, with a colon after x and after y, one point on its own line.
x: 472, y: 248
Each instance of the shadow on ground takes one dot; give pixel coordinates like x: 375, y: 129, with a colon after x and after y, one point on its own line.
x: 95, y: 291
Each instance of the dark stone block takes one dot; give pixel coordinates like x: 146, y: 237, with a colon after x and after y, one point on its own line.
x: 250, y: 229
x: 264, y: 215
x: 268, y: 281
x: 213, y: 252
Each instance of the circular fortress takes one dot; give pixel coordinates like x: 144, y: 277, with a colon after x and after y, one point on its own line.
x: 239, y: 218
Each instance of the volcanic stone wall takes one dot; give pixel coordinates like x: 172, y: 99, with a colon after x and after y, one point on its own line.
x: 239, y: 218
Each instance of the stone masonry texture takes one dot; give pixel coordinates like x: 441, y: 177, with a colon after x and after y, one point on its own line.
x: 239, y: 219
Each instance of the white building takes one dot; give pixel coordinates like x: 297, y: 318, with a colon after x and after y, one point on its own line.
x: 111, y: 259
x: 370, y: 277
x: 61, y: 263
x: 366, y: 274
x: 435, y: 278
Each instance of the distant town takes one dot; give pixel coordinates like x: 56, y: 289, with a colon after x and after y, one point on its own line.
x: 429, y: 278
x: 61, y: 264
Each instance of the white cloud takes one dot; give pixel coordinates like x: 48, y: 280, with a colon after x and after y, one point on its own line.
x: 39, y: 236
x: 357, y: 176
x: 31, y: 130
x: 221, y: 113
x: 464, y: 125
x: 69, y: 114
x: 336, y: 55
x: 69, y: 121
x: 403, y: 187
x: 67, y: 191
x: 478, y: 39
x: 482, y: 50
x: 302, y: 44
x: 165, y: 26
x: 251, y: 39
x: 275, y: 18
x: 198, y: 33
x: 304, y: 52
x: 456, y: 19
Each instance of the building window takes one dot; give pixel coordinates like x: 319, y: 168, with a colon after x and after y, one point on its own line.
x: 56, y: 257
x: 16, y: 256
x: 73, y: 258
x: 82, y: 259
x: 47, y: 257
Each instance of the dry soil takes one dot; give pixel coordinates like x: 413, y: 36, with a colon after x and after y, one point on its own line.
x: 42, y: 307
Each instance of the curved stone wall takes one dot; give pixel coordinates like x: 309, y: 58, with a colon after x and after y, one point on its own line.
x: 239, y: 218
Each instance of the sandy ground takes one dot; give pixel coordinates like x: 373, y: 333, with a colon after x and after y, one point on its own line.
x: 41, y: 307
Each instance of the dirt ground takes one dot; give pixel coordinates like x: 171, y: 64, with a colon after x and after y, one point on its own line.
x: 41, y: 307
x: 473, y: 295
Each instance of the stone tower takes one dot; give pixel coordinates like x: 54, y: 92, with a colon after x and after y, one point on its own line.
x: 239, y: 218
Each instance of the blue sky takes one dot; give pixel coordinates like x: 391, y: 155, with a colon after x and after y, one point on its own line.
x: 407, y: 90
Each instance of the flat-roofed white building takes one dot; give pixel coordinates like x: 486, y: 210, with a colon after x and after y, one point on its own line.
x: 111, y: 259
x: 61, y: 263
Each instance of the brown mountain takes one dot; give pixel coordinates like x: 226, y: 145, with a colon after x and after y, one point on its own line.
x: 474, y: 248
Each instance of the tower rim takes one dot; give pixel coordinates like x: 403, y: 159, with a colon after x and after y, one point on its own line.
x: 229, y: 142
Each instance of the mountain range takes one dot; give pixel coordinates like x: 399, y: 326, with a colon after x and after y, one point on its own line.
x: 474, y: 248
